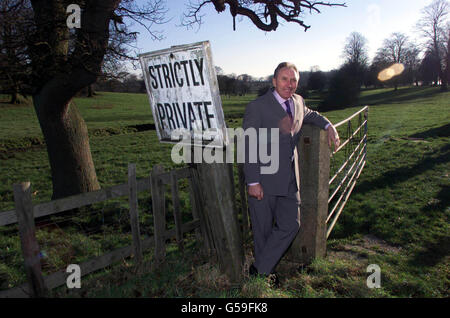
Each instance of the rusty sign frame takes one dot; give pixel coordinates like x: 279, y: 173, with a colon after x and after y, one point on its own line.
x: 219, y: 132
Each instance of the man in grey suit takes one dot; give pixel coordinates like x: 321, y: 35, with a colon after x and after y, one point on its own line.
x: 275, y: 197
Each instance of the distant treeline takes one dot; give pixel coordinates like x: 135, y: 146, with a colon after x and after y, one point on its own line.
x: 313, y: 80
x: 130, y: 83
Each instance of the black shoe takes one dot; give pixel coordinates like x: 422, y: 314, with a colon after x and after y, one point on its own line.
x: 252, y: 271
x: 274, y: 280
x: 304, y: 269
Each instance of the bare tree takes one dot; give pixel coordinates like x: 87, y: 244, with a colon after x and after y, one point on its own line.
x: 345, y: 83
x: 355, y: 49
x: 394, y: 50
x: 429, y: 69
x: 412, y: 63
x: 14, y: 68
x: 264, y: 14
x: 356, y: 56
x: 64, y: 61
x: 447, y: 72
x: 433, y: 26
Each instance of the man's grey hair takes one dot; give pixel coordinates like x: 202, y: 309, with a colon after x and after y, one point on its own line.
x: 283, y: 65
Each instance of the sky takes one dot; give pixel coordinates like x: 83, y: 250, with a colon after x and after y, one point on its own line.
x: 249, y: 50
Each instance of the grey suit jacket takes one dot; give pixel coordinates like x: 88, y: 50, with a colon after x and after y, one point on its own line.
x: 266, y: 112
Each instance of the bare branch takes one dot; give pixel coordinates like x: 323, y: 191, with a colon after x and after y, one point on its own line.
x: 148, y: 15
x: 264, y: 14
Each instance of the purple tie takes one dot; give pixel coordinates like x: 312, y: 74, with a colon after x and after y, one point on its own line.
x: 288, y: 109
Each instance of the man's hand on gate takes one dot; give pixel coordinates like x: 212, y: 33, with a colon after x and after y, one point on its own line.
x: 256, y: 191
x: 333, y: 137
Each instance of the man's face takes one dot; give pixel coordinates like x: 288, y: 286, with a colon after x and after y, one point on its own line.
x: 286, y: 82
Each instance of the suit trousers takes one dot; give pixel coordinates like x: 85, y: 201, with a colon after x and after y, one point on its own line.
x: 275, y: 223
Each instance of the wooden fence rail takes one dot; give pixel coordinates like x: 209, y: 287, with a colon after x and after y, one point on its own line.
x: 59, y: 278
x: 88, y: 198
x: 25, y: 214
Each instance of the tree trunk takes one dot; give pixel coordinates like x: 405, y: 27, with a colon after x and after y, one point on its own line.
x: 15, y: 93
x: 443, y: 76
x: 440, y: 68
x: 57, y: 77
x: 66, y: 137
x: 90, y: 90
x: 446, y: 71
x: 13, y: 98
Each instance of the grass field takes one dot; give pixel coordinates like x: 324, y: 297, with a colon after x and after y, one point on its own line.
x: 397, y: 218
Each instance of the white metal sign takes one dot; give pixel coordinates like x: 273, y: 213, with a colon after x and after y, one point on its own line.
x: 184, y: 94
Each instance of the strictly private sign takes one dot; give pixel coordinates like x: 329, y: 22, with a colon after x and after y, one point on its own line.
x: 184, y: 95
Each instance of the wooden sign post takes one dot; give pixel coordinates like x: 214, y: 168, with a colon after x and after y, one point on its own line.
x: 187, y: 109
x: 314, y: 166
x: 217, y: 188
x: 30, y: 246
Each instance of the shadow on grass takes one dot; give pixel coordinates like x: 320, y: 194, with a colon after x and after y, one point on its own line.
x: 401, y: 95
x: 433, y: 252
x: 143, y: 127
x: 440, y: 202
x: 111, y: 118
x: 404, y: 173
x: 8, y: 104
x: 443, y: 131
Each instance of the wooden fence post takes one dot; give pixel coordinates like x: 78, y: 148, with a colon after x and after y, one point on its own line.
x: 198, y: 212
x: 176, y: 210
x: 314, y: 168
x: 217, y: 187
x: 27, y: 232
x: 159, y: 213
x: 134, y: 212
x: 244, y: 207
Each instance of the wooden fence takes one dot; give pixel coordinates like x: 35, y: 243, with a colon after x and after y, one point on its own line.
x: 25, y: 214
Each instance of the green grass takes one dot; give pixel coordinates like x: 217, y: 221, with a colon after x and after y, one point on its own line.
x: 397, y: 217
